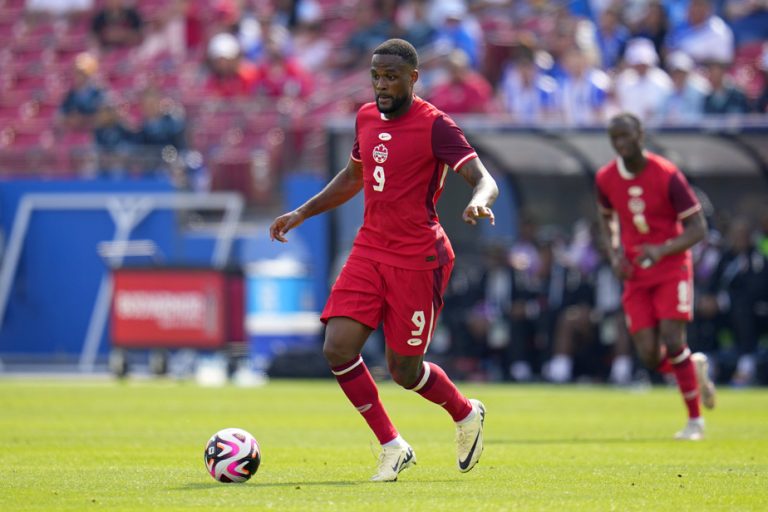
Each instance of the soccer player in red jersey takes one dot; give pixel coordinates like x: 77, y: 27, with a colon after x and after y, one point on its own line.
x: 659, y: 220
x: 401, y: 259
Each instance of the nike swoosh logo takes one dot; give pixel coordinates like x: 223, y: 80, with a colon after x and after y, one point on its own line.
x: 464, y: 464
x: 364, y: 408
x: 402, y: 461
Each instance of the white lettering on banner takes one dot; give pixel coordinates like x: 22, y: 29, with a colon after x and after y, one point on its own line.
x: 171, y: 310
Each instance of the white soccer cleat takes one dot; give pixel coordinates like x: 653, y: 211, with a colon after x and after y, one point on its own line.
x: 706, y: 386
x: 469, y: 438
x: 693, y: 431
x: 392, y: 460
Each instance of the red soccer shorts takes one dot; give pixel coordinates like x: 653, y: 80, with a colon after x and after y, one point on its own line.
x: 646, y: 304
x: 408, y: 302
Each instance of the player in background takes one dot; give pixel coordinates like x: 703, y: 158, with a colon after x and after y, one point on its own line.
x: 659, y: 220
x: 401, y: 258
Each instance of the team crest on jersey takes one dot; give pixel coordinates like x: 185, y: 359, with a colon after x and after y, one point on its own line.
x: 385, y: 136
x: 636, y: 205
x: 380, y: 153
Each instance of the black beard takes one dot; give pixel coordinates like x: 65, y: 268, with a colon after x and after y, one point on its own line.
x: 397, y: 102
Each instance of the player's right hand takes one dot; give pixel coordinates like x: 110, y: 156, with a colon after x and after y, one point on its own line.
x: 283, y: 224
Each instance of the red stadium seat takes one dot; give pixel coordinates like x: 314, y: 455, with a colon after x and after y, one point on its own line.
x: 74, y: 139
x: 231, y: 171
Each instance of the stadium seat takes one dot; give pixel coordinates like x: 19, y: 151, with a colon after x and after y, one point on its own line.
x: 238, y: 169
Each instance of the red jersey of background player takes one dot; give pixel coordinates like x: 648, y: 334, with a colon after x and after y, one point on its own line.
x: 650, y: 205
x: 405, y: 161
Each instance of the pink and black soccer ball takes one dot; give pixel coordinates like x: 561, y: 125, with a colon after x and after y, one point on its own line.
x: 232, y: 455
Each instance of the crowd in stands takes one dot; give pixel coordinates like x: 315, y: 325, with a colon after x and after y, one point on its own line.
x: 548, y: 308
x: 283, y: 63
x: 228, y: 93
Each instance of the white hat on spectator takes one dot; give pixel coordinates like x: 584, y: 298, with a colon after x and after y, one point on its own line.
x: 641, y: 51
x: 224, y: 46
x: 679, y: 61
x: 447, y: 9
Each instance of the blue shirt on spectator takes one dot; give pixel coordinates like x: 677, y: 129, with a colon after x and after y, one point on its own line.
x: 612, y: 45
x: 85, y: 101
x: 685, y: 105
x: 113, y: 138
x: 165, y: 130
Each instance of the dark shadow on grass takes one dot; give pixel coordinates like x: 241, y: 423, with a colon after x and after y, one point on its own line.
x: 204, y: 486
x: 604, y: 440
x: 200, y: 486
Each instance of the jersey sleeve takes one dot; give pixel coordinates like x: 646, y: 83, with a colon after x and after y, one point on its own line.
x: 355, y: 155
x: 602, y: 198
x: 681, y: 196
x: 449, y: 145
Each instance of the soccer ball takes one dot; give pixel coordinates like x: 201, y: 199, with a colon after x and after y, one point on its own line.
x: 232, y: 455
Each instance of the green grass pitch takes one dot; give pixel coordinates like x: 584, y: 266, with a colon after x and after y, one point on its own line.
x: 138, y: 445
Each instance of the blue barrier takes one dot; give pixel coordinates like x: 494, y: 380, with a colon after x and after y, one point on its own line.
x: 59, y: 271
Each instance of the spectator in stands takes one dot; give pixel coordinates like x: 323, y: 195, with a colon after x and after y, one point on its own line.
x: 455, y: 32
x: 748, y: 19
x: 84, y: 97
x: 725, y: 96
x: 117, y: 24
x: 258, y: 25
x: 526, y: 93
x: 642, y: 87
x: 113, y: 139
x: 371, y: 29
x: 591, y: 329
x: 708, y: 322
x: 165, y: 34
x: 685, y: 103
x: 524, y: 253
x: 739, y: 283
x: 162, y: 133
x: 293, y: 13
x: 654, y: 25
x: 559, y: 34
x: 537, y: 300
x: 221, y: 16
x: 414, y: 25
x: 279, y: 75
x: 612, y: 37
x: 705, y: 36
x: 465, y: 91
x: 312, y: 48
x: 487, y: 314
x: 582, y: 90
x: 230, y: 75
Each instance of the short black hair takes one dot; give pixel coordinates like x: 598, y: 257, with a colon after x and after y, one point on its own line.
x: 627, y: 117
x: 401, y: 48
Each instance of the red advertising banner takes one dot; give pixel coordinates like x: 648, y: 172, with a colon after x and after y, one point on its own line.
x: 168, y: 308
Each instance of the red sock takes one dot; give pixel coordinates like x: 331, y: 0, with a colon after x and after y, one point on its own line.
x: 356, y: 382
x: 434, y: 385
x: 665, y: 367
x: 685, y: 372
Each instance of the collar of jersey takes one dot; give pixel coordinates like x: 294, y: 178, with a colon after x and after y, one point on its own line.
x: 623, y: 171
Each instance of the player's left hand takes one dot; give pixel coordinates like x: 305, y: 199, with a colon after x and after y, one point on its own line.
x: 649, y: 255
x: 474, y: 212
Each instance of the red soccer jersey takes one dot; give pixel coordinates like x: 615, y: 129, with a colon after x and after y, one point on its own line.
x: 650, y: 206
x: 405, y: 161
